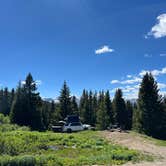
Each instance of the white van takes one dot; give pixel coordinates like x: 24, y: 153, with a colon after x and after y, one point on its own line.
x: 73, y: 126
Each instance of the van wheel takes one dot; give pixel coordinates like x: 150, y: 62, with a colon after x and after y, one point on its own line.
x: 69, y: 130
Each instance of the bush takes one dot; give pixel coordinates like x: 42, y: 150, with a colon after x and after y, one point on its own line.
x: 18, y: 161
x: 12, y: 127
x: 56, y: 149
x: 4, y: 119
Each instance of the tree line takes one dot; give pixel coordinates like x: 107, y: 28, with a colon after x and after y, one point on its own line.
x: 147, y: 115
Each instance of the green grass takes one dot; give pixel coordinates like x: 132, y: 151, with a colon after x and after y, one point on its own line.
x: 26, y: 148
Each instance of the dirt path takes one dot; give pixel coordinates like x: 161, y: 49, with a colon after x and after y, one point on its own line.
x: 137, y: 142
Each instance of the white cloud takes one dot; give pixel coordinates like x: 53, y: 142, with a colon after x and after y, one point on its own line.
x: 114, y: 81
x: 159, y: 29
x: 104, y: 49
x: 129, y: 81
x: 130, y: 86
x: 143, y: 72
x: 146, y: 36
x: 130, y: 92
x: 147, y: 55
x: 132, y: 95
x: 132, y: 81
x: 163, y: 55
x: 138, y: 79
x: 163, y: 71
x: 37, y: 82
x: 129, y: 76
x: 161, y: 86
x: 154, y: 72
x: 163, y: 93
x: 22, y: 82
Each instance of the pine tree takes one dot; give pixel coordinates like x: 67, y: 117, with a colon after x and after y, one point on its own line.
x: 52, y: 111
x: 102, y: 114
x: 57, y: 114
x: 1, y: 101
x: 54, y: 114
x: 74, y: 106
x: 26, y: 108
x: 129, y: 112
x: 65, y: 101
x: 95, y: 108
x: 6, y: 102
x: 46, y: 114
x: 16, y: 113
x: 82, y: 102
x: 119, y: 109
x: 12, y: 94
x: 163, y: 133
x: 149, y: 105
x: 84, y: 107
x: 109, y: 107
x: 90, y: 109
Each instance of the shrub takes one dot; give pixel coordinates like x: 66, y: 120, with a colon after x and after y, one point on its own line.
x: 4, y: 119
x: 12, y: 127
x: 18, y: 161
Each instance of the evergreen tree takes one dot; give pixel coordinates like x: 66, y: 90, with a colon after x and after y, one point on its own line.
x: 6, y: 102
x: 46, y: 114
x: 149, y: 105
x: 136, y: 118
x: 85, y: 106
x: 65, y: 101
x: 26, y: 108
x: 12, y: 94
x: 109, y: 107
x: 129, y: 112
x: 82, y: 102
x: 74, y: 106
x: 119, y: 109
x: 102, y: 114
x: 95, y: 108
x: 90, y: 111
x: 16, y: 113
x: 52, y: 111
x: 1, y: 101
x: 57, y: 114
x: 52, y: 107
x: 162, y: 134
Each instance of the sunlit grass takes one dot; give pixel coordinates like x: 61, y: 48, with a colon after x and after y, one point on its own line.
x: 48, y: 148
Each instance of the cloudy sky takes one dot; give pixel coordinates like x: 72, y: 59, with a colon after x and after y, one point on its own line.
x: 91, y: 44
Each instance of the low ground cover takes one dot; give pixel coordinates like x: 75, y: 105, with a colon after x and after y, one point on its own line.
x: 27, y: 148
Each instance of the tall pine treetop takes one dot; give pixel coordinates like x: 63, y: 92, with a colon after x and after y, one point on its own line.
x: 149, y: 106
x: 65, y: 101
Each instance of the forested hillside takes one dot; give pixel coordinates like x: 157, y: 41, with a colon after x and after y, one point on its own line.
x: 25, y: 107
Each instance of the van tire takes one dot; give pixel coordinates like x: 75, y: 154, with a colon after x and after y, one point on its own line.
x: 69, y: 130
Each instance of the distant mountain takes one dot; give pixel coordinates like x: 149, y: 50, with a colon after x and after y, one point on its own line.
x: 57, y: 101
x: 133, y: 101
x: 51, y: 99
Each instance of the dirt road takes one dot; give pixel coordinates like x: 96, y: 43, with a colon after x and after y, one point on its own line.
x: 134, y: 141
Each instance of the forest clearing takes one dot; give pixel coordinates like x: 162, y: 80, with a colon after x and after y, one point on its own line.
x: 142, y: 143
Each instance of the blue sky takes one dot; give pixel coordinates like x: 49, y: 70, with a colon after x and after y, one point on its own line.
x: 91, y: 44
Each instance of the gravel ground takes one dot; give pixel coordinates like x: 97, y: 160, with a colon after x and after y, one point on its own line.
x: 133, y: 141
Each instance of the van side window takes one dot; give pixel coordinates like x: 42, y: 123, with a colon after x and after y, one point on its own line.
x: 75, y: 124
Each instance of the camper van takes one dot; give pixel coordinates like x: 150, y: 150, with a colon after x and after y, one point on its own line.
x: 70, y: 124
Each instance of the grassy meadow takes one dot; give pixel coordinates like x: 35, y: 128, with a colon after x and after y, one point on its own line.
x: 21, y: 147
